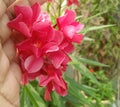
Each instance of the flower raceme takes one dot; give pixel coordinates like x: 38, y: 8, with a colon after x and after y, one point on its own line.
x: 44, y: 51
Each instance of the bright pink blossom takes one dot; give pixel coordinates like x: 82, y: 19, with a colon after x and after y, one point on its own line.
x: 70, y: 2
x: 43, y: 53
x: 29, y: 19
x: 51, y: 78
x: 44, y: 46
x: 70, y: 27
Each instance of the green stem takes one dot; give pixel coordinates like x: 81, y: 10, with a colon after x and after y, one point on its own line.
x: 59, y: 12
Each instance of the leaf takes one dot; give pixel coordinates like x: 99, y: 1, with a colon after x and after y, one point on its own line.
x: 86, y: 30
x: 57, y: 100
x: 98, y: 14
x: 88, y: 90
x: 72, y: 99
x: 91, y: 62
x: 22, y: 96
x: 75, y: 92
x: 88, y: 39
x: 24, y: 101
x: 34, y: 96
x: 78, y: 17
x: 83, y: 70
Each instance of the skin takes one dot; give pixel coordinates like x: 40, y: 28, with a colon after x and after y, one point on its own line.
x: 10, y: 73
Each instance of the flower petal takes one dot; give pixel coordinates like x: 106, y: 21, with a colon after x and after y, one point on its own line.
x: 36, y: 11
x: 25, y: 45
x: 69, y: 31
x: 26, y: 11
x: 77, y: 38
x: 69, y: 48
x: 23, y: 28
x: 41, y: 26
x: 20, y: 26
x: 67, y: 19
x: 48, y: 90
x: 58, y: 38
x: 33, y: 64
x: 24, y: 79
x: 50, y: 47
x: 78, y: 26
x: 66, y: 60
x: 57, y: 58
x: 61, y: 90
x: 44, y: 81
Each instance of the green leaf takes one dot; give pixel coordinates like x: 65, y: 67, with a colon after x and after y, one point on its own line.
x: 78, y: 17
x: 34, y: 96
x: 88, y: 90
x: 72, y: 99
x: 98, y: 14
x: 76, y: 93
x: 24, y: 101
x: 57, y: 100
x: 92, y: 62
x: 88, y: 39
x: 86, y: 30
x: 83, y: 70
x: 22, y: 97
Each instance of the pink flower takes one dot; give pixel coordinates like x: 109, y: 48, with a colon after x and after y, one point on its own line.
x: 33, y: 50
x: 70, y: 27
x: 39, y: 44
x: 43, y: 53
x: 70, y: 2
x: 29, y: 19
x: 46, y: 46
x: 38, y: 50
x: 51, y: 78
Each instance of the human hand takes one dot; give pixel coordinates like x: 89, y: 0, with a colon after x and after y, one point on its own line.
x: 10, y: 73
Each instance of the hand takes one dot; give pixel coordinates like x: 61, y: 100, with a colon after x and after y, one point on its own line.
x: 10, y: 73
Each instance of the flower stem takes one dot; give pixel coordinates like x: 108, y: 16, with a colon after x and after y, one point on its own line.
x: 59, y: 12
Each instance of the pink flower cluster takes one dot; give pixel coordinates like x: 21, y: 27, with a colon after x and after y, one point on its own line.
x: 44, y: 51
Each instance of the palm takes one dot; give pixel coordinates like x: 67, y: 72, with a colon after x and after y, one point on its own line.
x: 10, y: 74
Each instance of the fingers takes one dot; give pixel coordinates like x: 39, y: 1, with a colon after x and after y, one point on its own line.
x: 24, y: 3
x: 7, y: 55
x: 17, y: 2
x: 2, y: 8
x: 4, y: 102
x: 10, y: 87
x: 9, y: 49
x: 16, y: 71
x: 8, y: 2
x: 10, y: 76
x: 4, y: 29
x: 4, y: 65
